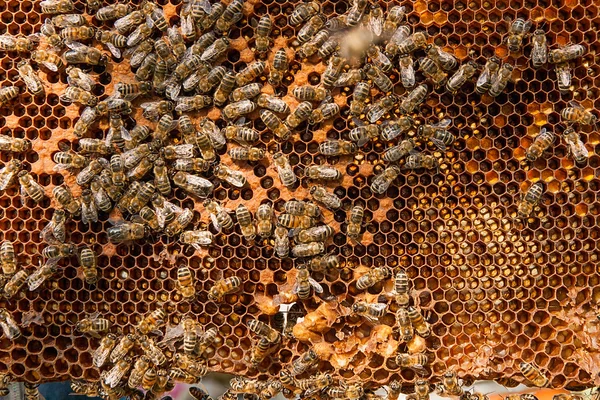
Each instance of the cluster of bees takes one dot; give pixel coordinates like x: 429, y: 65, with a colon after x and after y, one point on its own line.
x: 134, y: 169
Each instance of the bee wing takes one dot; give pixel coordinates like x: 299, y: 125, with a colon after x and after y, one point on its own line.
x: 73, y: 45
x: 109, y: 137
x: 295, y: 288
x: 215, y: 222
x: 575, y: 104
x: 379, y: 306
x: 375, y: 25
x: 315, y: 285
x: 6, y: 178
x: 89, y: 213
x: 60, y: 167
x: 113, y: 50
x: 443, y: 123
x: 125, y: 133
x: 419, y: 369
x: 51, y: 66
x: 439, y: 144
x: 205, y: 4
x: 484, y: 77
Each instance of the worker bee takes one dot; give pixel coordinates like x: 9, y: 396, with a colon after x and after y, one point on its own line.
x: 246, y: 92
x: 337, y: 148
x: 117, y: 372
x: 314, y: 24
x: 563, y: 75
x: 82, y: 54
x: 541, y: 143
x: 215, y: 50
x: 274, y: 123
x: 63, y: 196
x: 418, y: 322
x: 8, y: 93
x: 576, y: 147
x: 138, y: 35
x: 329, y: 47
x: 39, y: 276
x: 130, y: 91
x: 460, y: 77
x: 303, y: 12
x: 272, y: 103
x: 437, y: 133
x: 86, y: 119
x: 112, y: 11
x: 14, y: 284
x: 359, y: 97
x: 530, y: 200
x: 363, y: 133
x: 76, y: 77
x: 152, y: 321
x: 502, y: 79
x: 93, y: 325
x: 533, y: 374
x: 379, y: 78
x: 193, y: 184
x: 407, y: 71
x: 79, y: 96
x: 333, y: 71
x: 48, y: 59
x: 304, y: 282
x: 141, y: 197
x: 402, y: 149
x: 349, y: 392
x: 126, y: 231
x: 225, y: 88
x: 379, y: 59
x: 329, y: 200
x: 420, y: 160
x: 284, y: 169
x: 450, y: 385
x: 404, y: 324
x: 354, y: 223
x: 224, y: 287
x: 566, y: 53
x: 394, y: 389
x: 577, y: 114
x: 416, y: 361
x: 394, y: 16
x: 413, y: 42
x: 382, y: 182
x: 539, y: 50
x: 89, y: 264
x: 244, y: 218
x: 432, y: 71
x: 125, y: 344
x: 117, y: 168
x: 442, y: 59
x: 519, y: 29
x: 350, y: 78
x: 84, y: 388
x: 147, y: 68
x: 234, y: 110
x: 193, y: 103
x: 55, y: 230
x: 244, y: 385
x: 18, y: 43
x: 322, y: 172
x: 190, y: 335
x: 9, y: 325
x: 414, y: 99
x: 140, y: 53
x: 154, y: 110
x: 488, y: 75
x: 324, y: 111
x: 259, y: 352
x: 295, y: 207
x: 308, y: 249
x: 219, y: 216
x: 217, y: 140
x: 246, y: 153
x: 296, y: 221
x: 251, y: 72
x: 401, y: 288
x: 312, y: 46
x: 78, y: 33
x: 185, y: 282
x: 264, y: 220
x: 231, y: 176
x: 150, y: 218
x: 205, y: 79
x: 101, y: 354
x: 264, y: 331
x: 356, y: 12
x: 392, y: 48
x: 314, y: 234
x: 9, y: 172
x: 206, y: 340
x: 300, y: 114
x: 28, y: 75
x: 189, y: 165
x: 91, y: 170
x: 176, y: 151
x: 30, y: 188
x: 142, y: 364
x: 231, y: 15
x: 282, y: 242
x: 370, y: 311
x: 279, y: 67
x: 56, y: 6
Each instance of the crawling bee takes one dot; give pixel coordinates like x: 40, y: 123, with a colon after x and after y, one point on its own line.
x: 310, y: 93
x: 488, y: 75
x: 370, y: 311
x: 416, y: 361
x: 539, y: 50
x: 78, y: 33
x: 421, y: 326
x: 359, y: 97
x: 76, y: 77
x: 414, y: 99
x: 246, y: 153
x: 65, y: 198
x: 363, y: 133
x: 233, y: 111
x: 460, y: 77
x: 193, y: 184
x: 399, y: 151
x: 279, y: 67
x: 19, y: 44
x: 314, y: 24
x: 302, y: 113
x: 197, y: 238
x: 312, y: 46
x: 30, y: 77
x: 401, y: 288
x: 382, y: 182
x: 251, y: 72
x: 15, y: 283
x: 14, y: 145
x: 264, y: 220
x: 329, y: 200
x: 244, y: 218
x: 407, y: 71
x: 371, y: 278
x: 576, y: 147
x: 303, y: 12
x: 125, y: 344
x: 282, y: 242
x: 566, y: 53
x: 9, y: 172
x: 379, y: 78
x: 530, y: 200
x: 404, y: 325
x: 30, y: 188
x: 437, y: 133
x: 563, y: 75
x: 333, y: 71
x: 392, y: 48
x: 117, y: 372
x: 93, y: 325
x: 101, y: 354
x: 324, y: 111
x: 304, y: 362
x: 577, y: 114
x: 185, y: 282
x: 126, y: 231
x: 274, y: 123
x: 348, y: 392
x: 229, y: 175
x: 354, y: 222
x: 39, y: 276
x: 519, y: 29
x: 322, y: 172
x: 48, y: 59
x: 420, y: 160
x: 415, y: 41
x: 112, y: 12
x: 57, y: 6
x: 224, y: 287
x: 541, y: 143
x: 246, y: 92
x: 81, y: 54
x: 7, y: 93
x: 152, y: 321
x: 88, y: 263
x: 337, y: 148
x: 9, y: 325
x: 432, y: 72
x: 502, y: 79
x: 219, y: 216
x: 394, y: 16
x: 273, y: 103
x: 264, y: 331
x: 308, y: 249
x: 314, y: 234
x: 533, y: 374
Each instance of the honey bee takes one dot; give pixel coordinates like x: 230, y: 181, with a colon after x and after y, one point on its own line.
x: 224, y: 287
x: 185, y: 282
x: 273, y: 103
x: 270, y: 389
x: 93, y: 325
x: 437, y: 133
x: 126, y: 231
x: 533, y: 374
x: 324, y: 111
x: 303, y: 12
x: 359, y: 97
x: 370, y: 311
x: 208, y: 338
x: 234, y: 110
x: 308, y: 249
x: 502, y: 79
x: 530, y: 200
x: 314, y: 234
x: 312, y: 46
x: 32, y: 81
x: 420, y: 160
x: 363, y: 133
x: 193, y: 184
x: 152, y: 321
x: 282, y: 242
x: 130, y: 91
x: 246, y: 92
x: 337, y: 148
x: 296, y: 221
x: 176, y: 39
x: 381, y: 107
x: 189, y: 165
x: 143, y: 167
x: 314, y: 24
x: 208, y: 78
x: 404, y: 324
x: 322, y: 172
x: 259, y: 352
x: 577, y: 114
x: 450, y: 385
x: 30, y: 188
x: 418, y: 322
x: 91, y: 170
x: 9, y: 325
x: 351, y: 392
x: 246, y: 153
x: 32, y: 391
x: 244, y: 218
x: 563, y: 75
x: 541, y: 143
x: 219, y: 216
x: 224, y: 89
x: 279, y: 67
x: 251, y: 72
x: 8, y: 93
x: 329, y: 200
x: 150, y: 218
x: 84, y: 388
x: 88, y: 263
x: 264, y: 331
x: 217, y: 139
x: 112, y: 11
x: 76, y: 77
x: 394, y: 389
x: 140, y: 53
x: 139, y: 34
x: 189, y: 365
x: 539, y: 50
x: 48, y: 30
x: 125, y: 344
x: 215, y: 50
x: 172, y: 152
x: 63, y: 196
x: 180, y: 223
x: 519, y: 29
x: 284, y: 169
x: 350, y: 78
x: 231, y: 176
x: 193, y: 103
x: 442, y: 59
x: 416, y: 361
x: 401, y: 288
x: 244, y: 385
x: 304, y: 283
x: 19, y: 43
x: 432, y: 72
x: 379, y: 78
x: 333, y: 71
x: 272, y: 121
x: 460, y: 77
x: 488, y: 75
x: 576, y: 147
x: 156, y: 109
x: 55, y: 230
x: 413, y: 42
x: 57, y: 6
x: 89, y: 145
x: 39, y: 276
x: 354, y: 222
x: 264, y: 220
x: 117, y: 372
x: 231, y: 15
x: 136, y: 377
x: 356, y: 12
x: 8, y: 173
x: 566, y: 53
x: 14, y: 284
x: 78, y: 33
x: 81, y: 54
x: 392, y: 48
x: 315, y: 383
x: 302, y: 113
x: 382, y: 182
x: 48, y: 59
x: 402, y: 149
x: 329, y: 47
x: 147, y: 68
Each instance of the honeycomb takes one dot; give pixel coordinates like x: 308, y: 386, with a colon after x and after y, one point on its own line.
x: 497, y: 290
